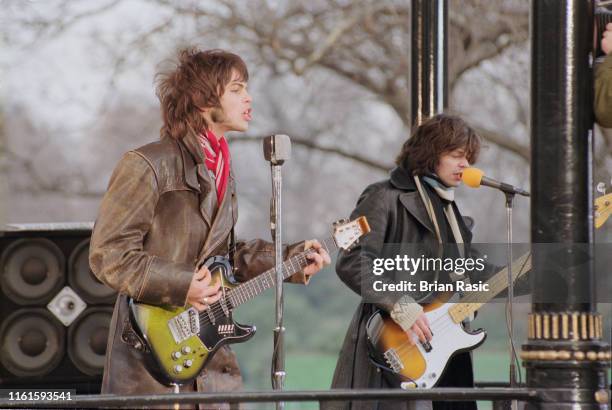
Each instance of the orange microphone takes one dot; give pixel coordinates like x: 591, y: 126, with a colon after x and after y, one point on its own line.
x: 474, y: 177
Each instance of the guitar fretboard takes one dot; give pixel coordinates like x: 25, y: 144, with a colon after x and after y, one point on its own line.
x: 248, y: 290
x: 473, y: 301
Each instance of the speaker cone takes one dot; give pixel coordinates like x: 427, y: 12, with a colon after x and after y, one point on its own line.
x: 87, y: 339
x: 31, y: 342
x: 32, y: 271
x: 83, y: 281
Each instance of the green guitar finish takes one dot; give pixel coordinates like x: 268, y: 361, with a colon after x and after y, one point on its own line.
x: 172, y: 362
x: 153, y: 322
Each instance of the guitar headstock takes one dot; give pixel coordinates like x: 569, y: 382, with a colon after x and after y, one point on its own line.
x: 603, y: 207
x: 346, y: 233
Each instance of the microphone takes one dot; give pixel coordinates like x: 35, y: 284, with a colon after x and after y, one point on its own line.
x: 474, y: 177
x: 277, y: 148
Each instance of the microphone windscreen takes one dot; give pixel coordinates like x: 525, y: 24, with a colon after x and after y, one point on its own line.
x: 472, y: 177
x: 277, y: 148
x: 282, y: 147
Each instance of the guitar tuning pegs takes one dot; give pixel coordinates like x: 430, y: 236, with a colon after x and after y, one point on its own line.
x: 341, y: 221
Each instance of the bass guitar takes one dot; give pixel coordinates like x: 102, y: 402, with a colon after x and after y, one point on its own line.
x: 421, y: 364
x: 180, y: 341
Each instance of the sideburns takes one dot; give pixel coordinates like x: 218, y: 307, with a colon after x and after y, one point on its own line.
x: 217, y: 115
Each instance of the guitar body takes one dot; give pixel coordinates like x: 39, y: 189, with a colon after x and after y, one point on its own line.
x: 182, y: 341
x: 421, y: 364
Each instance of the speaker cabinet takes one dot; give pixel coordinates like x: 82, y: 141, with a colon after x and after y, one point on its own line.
x: 55, y: 314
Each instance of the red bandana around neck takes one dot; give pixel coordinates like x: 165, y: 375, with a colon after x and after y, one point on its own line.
x: 217, y: 159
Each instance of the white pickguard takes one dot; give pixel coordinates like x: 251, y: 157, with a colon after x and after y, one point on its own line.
x: 449, y: 338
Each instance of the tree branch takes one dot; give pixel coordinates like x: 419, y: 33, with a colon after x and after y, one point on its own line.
x: 504, y: 142
x: 308, y: 143
x: 37, y: 184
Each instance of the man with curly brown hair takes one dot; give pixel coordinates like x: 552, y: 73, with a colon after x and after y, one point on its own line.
x: 170, y: 205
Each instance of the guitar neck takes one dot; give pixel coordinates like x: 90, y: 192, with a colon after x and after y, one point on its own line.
x: 253, y: 287
x: 472, y: 302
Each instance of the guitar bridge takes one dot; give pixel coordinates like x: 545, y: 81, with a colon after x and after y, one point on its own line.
x: 393, y: 360
x: 184, y: 325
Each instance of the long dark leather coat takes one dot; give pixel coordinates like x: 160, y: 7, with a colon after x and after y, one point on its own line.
x: 156, y: 223
x: 396, y: 214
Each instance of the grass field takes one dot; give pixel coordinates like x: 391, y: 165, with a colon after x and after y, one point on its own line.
x: 316, y: 318
x: 314, y: 371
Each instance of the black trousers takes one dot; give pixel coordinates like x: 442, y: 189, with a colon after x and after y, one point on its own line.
x: 459, y: 373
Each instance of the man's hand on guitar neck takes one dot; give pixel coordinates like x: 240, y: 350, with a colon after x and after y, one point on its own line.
x: 201, y: 293
x: 317, y: 259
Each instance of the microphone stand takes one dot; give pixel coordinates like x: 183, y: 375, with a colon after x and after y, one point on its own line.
x: 278, y: 364
x: 509, y: 309
x: 277, y: 148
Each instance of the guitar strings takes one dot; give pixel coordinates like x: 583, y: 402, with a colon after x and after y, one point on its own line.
x: 445, y: 321
x: 240, y: 294
x: 497, y: 280
x: 242, y: 291
x: 246, y: 295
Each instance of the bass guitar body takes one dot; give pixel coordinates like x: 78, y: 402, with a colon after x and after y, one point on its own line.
x: 421, y: 365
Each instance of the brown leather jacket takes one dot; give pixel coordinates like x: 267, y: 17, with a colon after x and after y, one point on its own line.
x: 156, y: 223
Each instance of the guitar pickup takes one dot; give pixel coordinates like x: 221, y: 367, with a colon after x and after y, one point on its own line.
x: 393, y: 360
x: 211, y: 316
x: 184, y: 325
x: 223, y: 303
x: 194, y: 321
x: 427, y: 346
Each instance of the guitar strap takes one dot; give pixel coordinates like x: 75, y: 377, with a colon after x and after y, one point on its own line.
x: 429, y: 207
x: 449, y: 212
x: 232, y: 247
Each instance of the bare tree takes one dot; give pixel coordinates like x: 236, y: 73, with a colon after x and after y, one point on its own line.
x: 365, y: 42
x: 349, y: 56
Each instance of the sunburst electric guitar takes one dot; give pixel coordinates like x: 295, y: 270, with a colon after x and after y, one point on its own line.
x: 181, y: 341
x: 421, y: 364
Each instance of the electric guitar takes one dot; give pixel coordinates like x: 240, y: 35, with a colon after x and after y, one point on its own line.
x: 181, y: 341
x: 422, y: 364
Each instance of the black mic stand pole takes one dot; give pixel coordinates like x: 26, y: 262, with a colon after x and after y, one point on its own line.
x: 510, y: 300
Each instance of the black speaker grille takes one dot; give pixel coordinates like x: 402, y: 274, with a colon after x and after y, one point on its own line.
x: 32, y: 271
x: 83, y: 281
x: 87, y: 338
x: 32, y: 342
